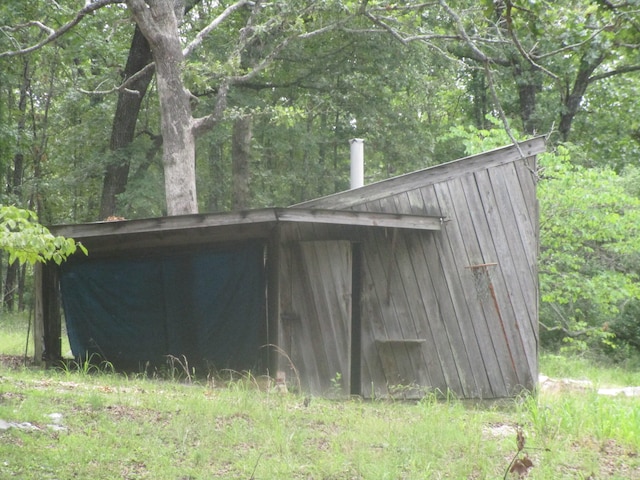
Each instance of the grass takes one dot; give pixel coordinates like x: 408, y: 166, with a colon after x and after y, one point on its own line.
x: 94, y: 424
x: 15, y: 333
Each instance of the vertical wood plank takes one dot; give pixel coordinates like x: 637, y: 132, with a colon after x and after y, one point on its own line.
x: 484, y: 252
x: 382, y: 322
x: 318, y: 313
x: 374, y: 381
x: 455, y: 260
x: 506, y: 283
x: 420, y: 295
x: 523, y: 246
x: 273, y: 265
x: 442, y: 325
x: 330, y: 278
x: 287, y: 320
x: 527, y: 172
x: 489, y: 335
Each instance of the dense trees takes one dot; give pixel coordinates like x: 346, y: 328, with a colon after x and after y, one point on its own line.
x: 144, y: 108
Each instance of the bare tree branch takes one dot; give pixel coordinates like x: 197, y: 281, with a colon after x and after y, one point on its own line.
x: 503, y: 116
x: 33, y: 23
x: 615, y: 6
x: 55, y: 34
x: 617, y: 71
x: 486, y: 61
x: 481, y: 56
x: 428, y: 38
x: 567, y: 332
x: 124, y: 86
x: 572, y: 46
x: 205, y: 123
x: 385, y: 27
x: 404, y: 8
x: 188, y: 50
x: 516, y: 42
x: 212, y: 26
x: 328, y: 28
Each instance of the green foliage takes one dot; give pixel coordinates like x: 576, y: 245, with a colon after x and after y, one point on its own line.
x: 477, y: 140
x: 26, y: 241
x: 590, y: 247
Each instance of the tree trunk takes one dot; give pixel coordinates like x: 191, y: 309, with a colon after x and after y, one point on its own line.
x: 527, y: 85
x: 215, y: 201
x: 480, y: 104
x: 574, y: 98
x: 178, y: 154
x: 22, y: 275
x: 241, y: 157
x: 10, y: 285
x: 124, y: 123
x: 159, y: 24
x: 15, y: 182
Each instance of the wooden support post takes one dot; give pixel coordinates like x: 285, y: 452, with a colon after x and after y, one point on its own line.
x: 356, y: 319
x: 47, y: 335
x: 273, y: 300
x: 38, y: 327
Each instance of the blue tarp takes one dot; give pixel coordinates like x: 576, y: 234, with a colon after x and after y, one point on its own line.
x: 207, y: 305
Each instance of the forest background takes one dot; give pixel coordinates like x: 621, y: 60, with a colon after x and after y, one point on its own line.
x: 271, y: 92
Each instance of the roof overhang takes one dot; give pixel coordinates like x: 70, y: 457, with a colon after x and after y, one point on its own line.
x: 220, y: 228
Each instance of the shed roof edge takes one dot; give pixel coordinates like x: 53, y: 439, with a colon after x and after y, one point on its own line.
x: 429, y: 175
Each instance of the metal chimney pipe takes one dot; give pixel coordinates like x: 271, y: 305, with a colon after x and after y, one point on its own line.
x: 357, y: 162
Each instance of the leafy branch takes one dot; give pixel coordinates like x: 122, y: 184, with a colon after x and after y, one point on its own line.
x: 29, y: 242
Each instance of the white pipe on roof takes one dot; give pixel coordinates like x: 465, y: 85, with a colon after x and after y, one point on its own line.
x: 357, y: 162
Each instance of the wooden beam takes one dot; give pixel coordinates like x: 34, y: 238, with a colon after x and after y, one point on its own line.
x: 164, y: 224
x: 124, y: 244
x: 363, y: 219
x: 38, y: 323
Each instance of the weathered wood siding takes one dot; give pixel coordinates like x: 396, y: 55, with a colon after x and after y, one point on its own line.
x: 427, y: 323
x: 478, y: 340
x: 315, y: 313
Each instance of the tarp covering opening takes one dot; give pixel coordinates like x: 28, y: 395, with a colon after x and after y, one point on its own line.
x: 134, y: 312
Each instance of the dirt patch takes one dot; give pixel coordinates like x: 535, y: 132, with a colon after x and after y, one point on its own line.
x: 14, y: 362
x: 564, y: 385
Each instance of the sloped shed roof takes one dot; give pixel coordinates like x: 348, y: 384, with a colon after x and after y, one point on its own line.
x: 431, y: 175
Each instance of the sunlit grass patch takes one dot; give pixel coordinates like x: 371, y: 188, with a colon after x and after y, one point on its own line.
x: 89, y: 422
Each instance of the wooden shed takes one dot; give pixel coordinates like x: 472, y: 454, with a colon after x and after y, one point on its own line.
x: 423, y: 282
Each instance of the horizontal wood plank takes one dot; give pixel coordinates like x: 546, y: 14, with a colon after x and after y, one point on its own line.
x: 363, y: 219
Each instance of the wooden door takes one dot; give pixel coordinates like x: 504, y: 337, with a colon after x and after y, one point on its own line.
x: 316, y: 314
